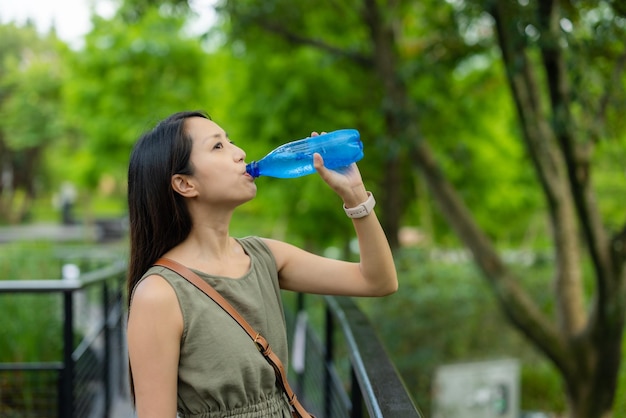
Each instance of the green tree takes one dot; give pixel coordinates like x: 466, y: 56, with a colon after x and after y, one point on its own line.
x: 561, y: 61
x: 129, y: 75
x: 30, y: 83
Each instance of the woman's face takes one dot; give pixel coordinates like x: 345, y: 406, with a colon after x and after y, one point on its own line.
x: 219, y: 166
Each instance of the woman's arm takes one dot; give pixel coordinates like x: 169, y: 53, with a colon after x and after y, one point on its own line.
x: 155, y: 326
x: 374, y: 275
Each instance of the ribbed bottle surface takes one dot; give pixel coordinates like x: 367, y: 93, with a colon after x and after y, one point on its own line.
x: 295, y: 159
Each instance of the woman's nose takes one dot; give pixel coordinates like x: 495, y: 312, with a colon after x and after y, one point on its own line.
x: 240, y: 154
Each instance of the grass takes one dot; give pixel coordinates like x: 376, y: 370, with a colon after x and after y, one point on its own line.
x: 31, y: 329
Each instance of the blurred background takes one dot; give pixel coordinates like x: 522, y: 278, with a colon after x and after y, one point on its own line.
x: 494, y: 142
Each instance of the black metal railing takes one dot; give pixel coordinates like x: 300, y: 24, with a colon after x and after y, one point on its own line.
x: 348, y: 373
x: 82, y: 382
x: 342, y: 370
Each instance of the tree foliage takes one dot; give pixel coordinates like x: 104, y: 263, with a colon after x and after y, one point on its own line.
x: 30, y: 83
x: 498, y: 121
x: 128, y: 76
x: 562, y: 95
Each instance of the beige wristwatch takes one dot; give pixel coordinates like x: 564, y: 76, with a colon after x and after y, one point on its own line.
x: 363, y: 209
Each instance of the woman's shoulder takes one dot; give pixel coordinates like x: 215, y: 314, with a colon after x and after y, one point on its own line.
x: 261, y: 243
x: 153, y: 290
x: 155, y: 301
x: 262, y: 248
x: 255, y: 244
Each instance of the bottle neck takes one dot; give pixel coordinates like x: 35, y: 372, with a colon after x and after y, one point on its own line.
x: 253, y: 169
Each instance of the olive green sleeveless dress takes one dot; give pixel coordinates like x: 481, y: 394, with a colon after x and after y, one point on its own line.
x: 220, y: 372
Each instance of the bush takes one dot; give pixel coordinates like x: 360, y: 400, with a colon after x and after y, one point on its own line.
x: 444, y: 312
x: 31, y: 331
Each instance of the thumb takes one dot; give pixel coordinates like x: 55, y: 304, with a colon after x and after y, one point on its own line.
x: 318, y: 161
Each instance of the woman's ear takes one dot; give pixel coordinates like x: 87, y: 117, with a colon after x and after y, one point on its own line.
x: 183, y: 186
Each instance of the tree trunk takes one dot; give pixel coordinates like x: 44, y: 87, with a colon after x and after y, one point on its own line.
x: 585, y: 349
x: 593, y: 345
x: 584, y: 342
x: 394, y: 109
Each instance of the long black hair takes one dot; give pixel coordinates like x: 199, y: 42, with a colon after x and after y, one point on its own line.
x: 158, y: 216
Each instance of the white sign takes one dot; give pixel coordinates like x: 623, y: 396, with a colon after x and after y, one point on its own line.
x: 477, y: 390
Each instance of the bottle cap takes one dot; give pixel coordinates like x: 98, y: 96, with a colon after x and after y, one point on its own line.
x: 253, y: 169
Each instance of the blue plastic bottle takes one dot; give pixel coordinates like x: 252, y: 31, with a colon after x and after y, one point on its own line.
x: 295, y: 159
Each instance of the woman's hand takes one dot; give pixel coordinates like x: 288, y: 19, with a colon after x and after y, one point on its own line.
x: 345, y: 181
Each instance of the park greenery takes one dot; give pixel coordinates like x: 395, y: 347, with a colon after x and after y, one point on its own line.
x: 490, y: 128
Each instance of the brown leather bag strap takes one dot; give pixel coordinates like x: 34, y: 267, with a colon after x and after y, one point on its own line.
x: 259, y: 340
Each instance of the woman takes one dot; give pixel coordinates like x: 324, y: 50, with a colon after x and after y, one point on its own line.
x: 185, y: 179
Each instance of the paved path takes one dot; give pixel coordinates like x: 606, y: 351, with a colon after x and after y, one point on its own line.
x: 122, y: 408
x: 46, y: 231
x: 100, y: 230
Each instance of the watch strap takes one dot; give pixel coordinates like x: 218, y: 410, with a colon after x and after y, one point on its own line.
x: 362, y: 209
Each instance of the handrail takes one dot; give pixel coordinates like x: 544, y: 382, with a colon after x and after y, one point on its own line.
x: 73, y: 395
x: 38, y: 286
x: 381, y: 386
x: 63, y: 285
x: 375, y: 382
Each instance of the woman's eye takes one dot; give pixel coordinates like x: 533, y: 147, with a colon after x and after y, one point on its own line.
x: 220, y: 145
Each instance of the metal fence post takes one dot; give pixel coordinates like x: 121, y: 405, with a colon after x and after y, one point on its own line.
x: 66, y: 404
x: 106, y: 375
x: 300, y: 373
x: 329, y: 328
x: 356, y: 397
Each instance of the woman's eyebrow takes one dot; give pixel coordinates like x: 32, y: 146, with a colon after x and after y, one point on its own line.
x: 221, y: 134
x: 217, y: 135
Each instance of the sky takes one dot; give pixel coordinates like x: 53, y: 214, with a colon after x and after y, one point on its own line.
x: 72, y: 17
